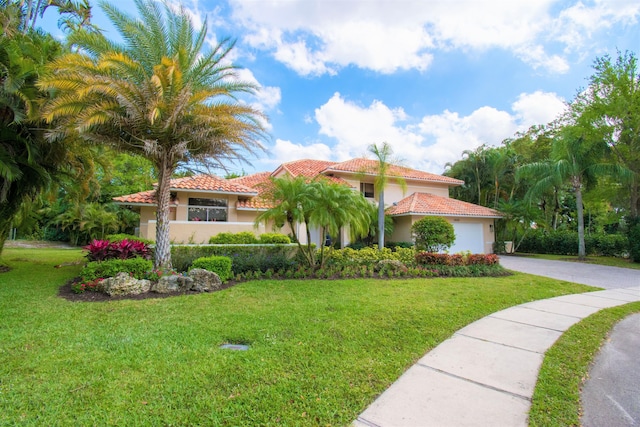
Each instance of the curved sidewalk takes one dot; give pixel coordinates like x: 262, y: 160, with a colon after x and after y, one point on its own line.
x: 485, y: 374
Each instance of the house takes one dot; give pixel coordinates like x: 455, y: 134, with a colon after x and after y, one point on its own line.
x: 205, y: 205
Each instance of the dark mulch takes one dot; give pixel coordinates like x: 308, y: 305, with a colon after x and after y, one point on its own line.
x: 66, y: 293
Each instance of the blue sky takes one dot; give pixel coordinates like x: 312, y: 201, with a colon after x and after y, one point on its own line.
x: 430, y: 77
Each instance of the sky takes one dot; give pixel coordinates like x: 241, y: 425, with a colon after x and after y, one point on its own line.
x: 432, y: 78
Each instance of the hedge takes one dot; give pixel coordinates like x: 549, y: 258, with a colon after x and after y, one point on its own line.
x: 566, y: 243
x: 244, y: 258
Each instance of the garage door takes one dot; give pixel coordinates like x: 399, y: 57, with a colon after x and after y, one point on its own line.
x: 468, y: 238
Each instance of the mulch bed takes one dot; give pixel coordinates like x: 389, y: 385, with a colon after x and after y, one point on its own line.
x: 65, y: 292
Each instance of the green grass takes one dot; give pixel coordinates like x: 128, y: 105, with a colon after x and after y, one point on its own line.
x: 600, y: 260
x: 321, y: 351
x: 556, y: 399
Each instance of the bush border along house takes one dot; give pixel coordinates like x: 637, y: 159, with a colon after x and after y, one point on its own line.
x: 203, y: 206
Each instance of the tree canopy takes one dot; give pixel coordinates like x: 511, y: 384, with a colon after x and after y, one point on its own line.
x: 159, y: 94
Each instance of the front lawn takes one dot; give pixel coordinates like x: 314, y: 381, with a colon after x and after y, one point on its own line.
x: 320, y: 351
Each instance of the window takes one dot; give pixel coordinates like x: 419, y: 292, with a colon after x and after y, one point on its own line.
x: 207, y: 209
x: 366, y: 188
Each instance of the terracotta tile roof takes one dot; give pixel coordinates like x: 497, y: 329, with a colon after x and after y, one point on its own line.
x: 305, y: 167
x: 253, y: 181
x: 368, y: 166
x: 211, y: 183
x: 253, y: 204
x: 430, y: 204
x: 142, y: 198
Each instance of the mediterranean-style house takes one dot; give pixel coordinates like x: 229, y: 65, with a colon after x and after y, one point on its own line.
x: 205, y: 205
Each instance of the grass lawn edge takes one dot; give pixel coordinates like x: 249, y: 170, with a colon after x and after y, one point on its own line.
x: 565, y: 368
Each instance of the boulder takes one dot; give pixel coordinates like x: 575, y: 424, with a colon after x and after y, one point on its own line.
x: 204, y: 280
x: 124, y: 284
x: 390, y: 265
x: 173, y: 283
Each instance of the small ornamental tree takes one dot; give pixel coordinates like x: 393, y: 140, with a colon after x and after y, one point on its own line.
x: 433, y: 234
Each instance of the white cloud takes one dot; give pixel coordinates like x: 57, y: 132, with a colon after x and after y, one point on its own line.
x: 357, y: 127
x: 267, y: 97
x: 315, y: 37
x: 285, y: 151
x: 538, y: 107
x: 434, y: 141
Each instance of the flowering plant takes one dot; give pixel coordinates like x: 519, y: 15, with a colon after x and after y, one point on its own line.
x: 102, y: 250
x: 92, y: 285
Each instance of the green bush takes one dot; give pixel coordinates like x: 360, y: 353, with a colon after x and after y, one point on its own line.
x: 137, y: 267
x: 244, y: 258
x: 117, y: 238
x: 242, y: 238
x: 274, y: 238
x: 395, y: 245
x: 634, y: 239
x: 221, y: 265
x: 433, y: 234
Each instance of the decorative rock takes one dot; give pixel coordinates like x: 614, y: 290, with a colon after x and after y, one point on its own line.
x: 390, y: 265
x: 174, y: 283
x: 204, y: 280
x: 124, y: 284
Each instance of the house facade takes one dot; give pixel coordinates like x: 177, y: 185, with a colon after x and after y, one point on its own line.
x: 205, y: 205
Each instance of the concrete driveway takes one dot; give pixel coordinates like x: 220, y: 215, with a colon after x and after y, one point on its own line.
x: 577, y: 272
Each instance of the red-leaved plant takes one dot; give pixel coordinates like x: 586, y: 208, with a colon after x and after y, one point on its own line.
x: 102, y: 250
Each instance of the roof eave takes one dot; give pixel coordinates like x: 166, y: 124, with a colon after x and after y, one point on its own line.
x: 446, y: 215
x: 236, y: 193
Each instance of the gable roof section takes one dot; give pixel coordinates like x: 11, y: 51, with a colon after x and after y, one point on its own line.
x: 306, y: 167
x: 430, y: 204
x: 252, y: 181
x: 368, y: 167
x: 211, y: 184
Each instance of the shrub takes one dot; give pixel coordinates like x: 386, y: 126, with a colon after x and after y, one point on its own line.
x: 220, y: 265
x: 243, y: 258
x: 102, y: 250
x: 634, y: 239
x: 137, y: 267
x: 565, y: 242
x: 115, y: 238
x: 395, y: 245
x: 430, y: 258
x: 482, y: 259
x: 242, y: 238
x: 91, y: 285
x: 433, y: 234
x: 274, y: 238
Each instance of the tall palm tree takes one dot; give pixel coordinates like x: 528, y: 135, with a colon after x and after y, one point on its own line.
x: 158, y: 94
x: 384, y: 172
x: 576, y: 158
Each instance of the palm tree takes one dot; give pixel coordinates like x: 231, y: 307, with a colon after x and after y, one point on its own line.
x: 576, y: 158
x: 156, y: 94
x: 338, y: 206
x: 384, y: 172
x: 292, y: 201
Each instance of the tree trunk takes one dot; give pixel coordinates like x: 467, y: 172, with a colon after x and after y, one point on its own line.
x: 163, y: 195
x: 381, y: 220
x: 635, y: 197
x: 582, y: 253
x: 5, y: 228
